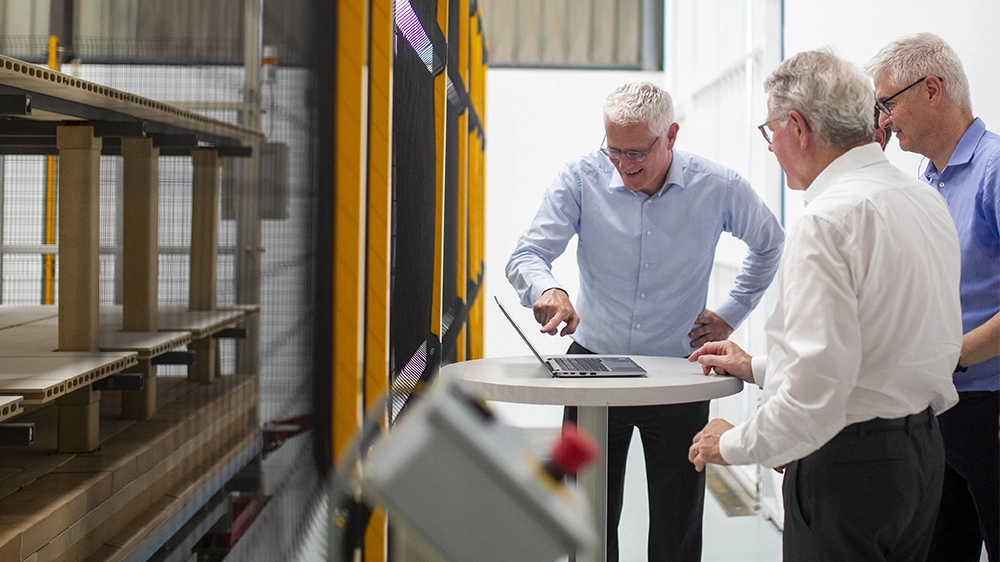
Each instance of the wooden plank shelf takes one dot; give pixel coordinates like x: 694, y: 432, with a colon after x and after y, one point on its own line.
x: 12, y: 316
x: 146, y: 344
x: 201, y: 323
x: 60, y: 97
x: 41, y: 378
x: 35, y: 329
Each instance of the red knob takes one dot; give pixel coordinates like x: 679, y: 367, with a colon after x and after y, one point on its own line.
x: 573, y: 450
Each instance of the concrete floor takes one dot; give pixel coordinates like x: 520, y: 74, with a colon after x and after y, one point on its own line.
x: 726, y: 539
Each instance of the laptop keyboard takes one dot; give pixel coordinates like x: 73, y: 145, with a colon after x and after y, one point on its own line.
x: 580, y: 364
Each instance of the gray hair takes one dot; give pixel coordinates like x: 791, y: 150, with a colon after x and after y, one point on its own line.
x: 833, y: 96
x: 640, y: 102
x: 922, y: 54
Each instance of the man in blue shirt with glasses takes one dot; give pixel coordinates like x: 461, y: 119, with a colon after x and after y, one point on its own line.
x: 923, y: 95
x: 648, y: 219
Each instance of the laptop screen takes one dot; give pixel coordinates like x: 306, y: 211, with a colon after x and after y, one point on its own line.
x: 519, y: 331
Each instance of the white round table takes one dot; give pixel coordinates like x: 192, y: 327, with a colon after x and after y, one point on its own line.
x: 524, y: 380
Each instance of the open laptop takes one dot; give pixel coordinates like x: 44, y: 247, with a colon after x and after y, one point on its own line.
x: 580, y: 365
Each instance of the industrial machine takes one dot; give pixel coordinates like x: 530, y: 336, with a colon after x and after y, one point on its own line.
x: 453, y: 473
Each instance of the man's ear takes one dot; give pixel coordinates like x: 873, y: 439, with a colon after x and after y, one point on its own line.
x: 800, y: 127
x: 935, y: 90
x: 880, y: 137
x: 671, y: 136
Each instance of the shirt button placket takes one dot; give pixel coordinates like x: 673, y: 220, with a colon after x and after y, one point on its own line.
x: 645, y: 265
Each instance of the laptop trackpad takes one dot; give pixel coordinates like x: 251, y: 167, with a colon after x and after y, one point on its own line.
x: 619, y: 363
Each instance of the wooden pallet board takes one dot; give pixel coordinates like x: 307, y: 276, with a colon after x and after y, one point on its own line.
x: 10, y: 406
x: 35, y: 79
x: 146, y: 344
x: 35, y: 329
x: 200, y: 323
x: 16, y: 315
x: 44, y: 377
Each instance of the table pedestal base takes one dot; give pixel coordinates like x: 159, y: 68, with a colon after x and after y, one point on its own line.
x: 593, y: 420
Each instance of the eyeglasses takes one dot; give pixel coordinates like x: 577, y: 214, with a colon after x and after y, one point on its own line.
x: 883, y: 105
x: 766, y: 130
x: 633, y: 155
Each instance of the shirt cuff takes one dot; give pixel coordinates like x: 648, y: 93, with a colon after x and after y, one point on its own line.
x: 758, y: 368
x: 730, y: 447
x: 539, y: 287
x: 733, y: 312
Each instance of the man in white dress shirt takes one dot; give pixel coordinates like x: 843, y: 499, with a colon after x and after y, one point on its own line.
x: 863, y: 339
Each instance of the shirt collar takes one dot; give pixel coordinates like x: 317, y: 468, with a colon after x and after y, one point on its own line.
x: 675, y: 175
x: 853, y: 159
x: 964, y: 150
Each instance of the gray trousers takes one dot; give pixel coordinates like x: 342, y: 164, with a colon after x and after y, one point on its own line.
x: 871, y: 493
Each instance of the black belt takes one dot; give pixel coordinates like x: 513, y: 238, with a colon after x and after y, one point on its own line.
x: 897, y: 424
x: 976, y: 394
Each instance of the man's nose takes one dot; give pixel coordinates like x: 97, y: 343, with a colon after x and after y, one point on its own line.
x: 884, y: 119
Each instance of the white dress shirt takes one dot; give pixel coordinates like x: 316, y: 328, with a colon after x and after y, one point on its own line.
x: 868, y: 322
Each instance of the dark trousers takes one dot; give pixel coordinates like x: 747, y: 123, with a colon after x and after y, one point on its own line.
x: 870, y: 494
x: 676, y: 490
x: 969, y: 513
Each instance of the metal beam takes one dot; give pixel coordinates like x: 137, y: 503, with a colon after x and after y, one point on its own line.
x: 45, y: 146
x: 122, y: 381
x: 121, y: 129
x: 25, y: 140
x: 235, y: 151
x: 66, y: 108
x: 233, y: 333
x: 28, y: 150
x: 155, y: 128
x: 15, y: 104
x: 175, y: 358
x: 161, y: 140
x: 17, y: 434
x: 28, y: 127
x: 34, y: 127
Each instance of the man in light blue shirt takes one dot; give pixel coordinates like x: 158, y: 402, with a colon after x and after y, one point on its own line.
x: 648, y: 219
x: 923, y: 95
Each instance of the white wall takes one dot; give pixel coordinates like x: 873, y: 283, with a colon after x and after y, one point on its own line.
x: 857, y: 29
x: 719, y: 53
x: 536, y: 120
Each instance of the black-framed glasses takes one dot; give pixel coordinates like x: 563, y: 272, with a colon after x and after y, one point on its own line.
x: 766, y: 130
x: 883, y: 104
x: 633, y: 155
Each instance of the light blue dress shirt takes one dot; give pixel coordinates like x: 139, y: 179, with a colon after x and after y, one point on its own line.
x: 970, y: 183
x: 645, y: 261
